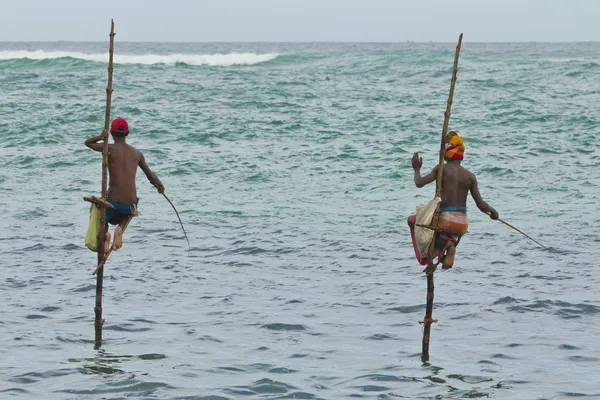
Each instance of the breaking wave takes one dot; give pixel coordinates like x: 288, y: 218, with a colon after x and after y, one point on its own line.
x: 223, y: 60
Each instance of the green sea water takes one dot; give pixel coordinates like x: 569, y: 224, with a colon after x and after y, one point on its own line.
x: 290, y: 167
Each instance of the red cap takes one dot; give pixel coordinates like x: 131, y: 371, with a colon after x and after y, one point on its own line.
x: 119, y: 125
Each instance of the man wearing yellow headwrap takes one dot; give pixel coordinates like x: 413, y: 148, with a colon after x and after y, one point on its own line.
x: 457, y: 182
x: 455, y: 148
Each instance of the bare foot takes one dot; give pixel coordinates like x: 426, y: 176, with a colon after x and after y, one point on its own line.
x: 449, y: 259
x: 106, y: 242
x: 118, y: 242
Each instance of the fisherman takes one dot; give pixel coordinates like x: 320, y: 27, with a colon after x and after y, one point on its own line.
x: 123, y: 161
x: 457, y: 182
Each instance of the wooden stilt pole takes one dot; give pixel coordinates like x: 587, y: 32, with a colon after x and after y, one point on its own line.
x: 103, y: 225
x: 428, y: 320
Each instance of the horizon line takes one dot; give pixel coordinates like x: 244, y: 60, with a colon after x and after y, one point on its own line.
x: 306, y: 41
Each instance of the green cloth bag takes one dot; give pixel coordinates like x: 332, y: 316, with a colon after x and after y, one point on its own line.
x: 91, y: 238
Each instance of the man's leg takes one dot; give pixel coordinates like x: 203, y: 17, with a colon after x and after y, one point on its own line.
x: 119, y: 230
x: 448, y: 261
x: 106, y: 241
x: 106, y: 238
x: 447, y: 250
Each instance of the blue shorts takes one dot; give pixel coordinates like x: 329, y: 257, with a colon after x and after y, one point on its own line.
x: 119, y: 212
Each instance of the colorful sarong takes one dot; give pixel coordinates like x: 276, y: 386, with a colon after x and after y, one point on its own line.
x: 453, y: 223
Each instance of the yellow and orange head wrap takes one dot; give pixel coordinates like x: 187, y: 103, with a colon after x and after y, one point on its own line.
x: 455, y: 148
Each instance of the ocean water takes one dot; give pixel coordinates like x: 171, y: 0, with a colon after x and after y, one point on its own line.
x: 290, y: 167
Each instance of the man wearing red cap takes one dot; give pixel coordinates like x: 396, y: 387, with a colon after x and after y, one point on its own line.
x: 123, y: 161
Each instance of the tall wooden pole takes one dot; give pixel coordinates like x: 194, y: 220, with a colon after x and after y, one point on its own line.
x: 428, y: 320
x: 103, y: 225
x: 438, y: 186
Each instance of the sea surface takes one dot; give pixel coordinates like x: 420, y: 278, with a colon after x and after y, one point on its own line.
x: 290, y: 167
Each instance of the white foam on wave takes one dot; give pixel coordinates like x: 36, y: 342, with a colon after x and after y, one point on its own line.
x: 223, y: 60
x: 571, y: 59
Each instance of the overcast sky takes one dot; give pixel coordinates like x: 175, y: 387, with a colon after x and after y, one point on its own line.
x: 301, y: 20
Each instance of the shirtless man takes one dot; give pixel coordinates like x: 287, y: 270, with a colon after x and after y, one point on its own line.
x: 123, y: 161
x: 457, y: 182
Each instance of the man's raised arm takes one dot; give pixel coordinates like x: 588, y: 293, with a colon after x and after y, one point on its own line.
x: 93, y: 144
x: 421, y: 181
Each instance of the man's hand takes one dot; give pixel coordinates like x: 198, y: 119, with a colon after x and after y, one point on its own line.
x: 159, y: 186
x: 93, y: 144
x: 493, y: 213
x: 416, y: 161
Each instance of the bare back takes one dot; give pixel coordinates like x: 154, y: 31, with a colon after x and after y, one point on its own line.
x: 456, y: 183
x: 123, y: 161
